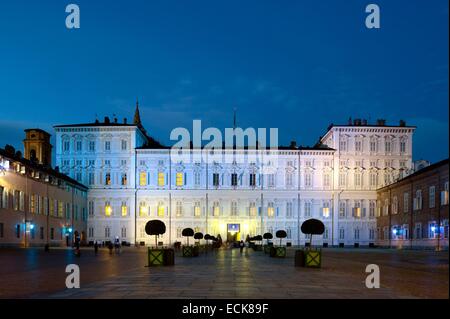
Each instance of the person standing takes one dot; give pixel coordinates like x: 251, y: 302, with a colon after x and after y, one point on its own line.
x: 96, y: 248
x: 241, y: 246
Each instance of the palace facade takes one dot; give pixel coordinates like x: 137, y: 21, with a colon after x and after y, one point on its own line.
x: 133, y: 179
x: 413, y: 212
x: 38, y: 204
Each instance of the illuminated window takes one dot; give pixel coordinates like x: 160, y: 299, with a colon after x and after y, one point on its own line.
x: 143, y: 178
x: 32, y: 203
x: 179, y: 209
x: 252, y: 209
x: 326, y: 211
x: 52, y: 207
x: 270, y: 210
x: 108, y: 179
x: 161, y: 179
x: 124, y: 209
x: 357, y: 210
x: 60, y: 209
x: 234, y: 209
x: 216, y: 209
x: 143, y: 209
x: 124, y: 179
x: 161, y: 209
x: 179, y: 179
x: 197, y: 209
x: 108, y: 209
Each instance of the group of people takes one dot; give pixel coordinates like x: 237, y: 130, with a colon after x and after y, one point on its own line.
x: 116, y: 246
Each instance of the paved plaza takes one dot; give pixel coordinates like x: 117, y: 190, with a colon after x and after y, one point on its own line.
x: 32, y: 273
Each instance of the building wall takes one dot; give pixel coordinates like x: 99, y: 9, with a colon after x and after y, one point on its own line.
x: 291, y: 187
x: 34, y: 212
x: 410, y: 215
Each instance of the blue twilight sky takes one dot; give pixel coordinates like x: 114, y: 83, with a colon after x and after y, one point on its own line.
x: 295, y: 65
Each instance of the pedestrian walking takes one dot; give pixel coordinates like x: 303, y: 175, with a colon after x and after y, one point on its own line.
x: 96, y: 247
x: 117, y: 245
x: 241, y: 246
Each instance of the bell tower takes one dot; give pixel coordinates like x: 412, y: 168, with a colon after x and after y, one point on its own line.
x: 37, y: 147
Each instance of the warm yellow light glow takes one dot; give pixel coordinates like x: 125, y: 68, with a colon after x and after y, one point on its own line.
x: 143, y: 210
x: 142, y: 178
x: 223, y: 227
x: 161, y: 179
x: 253, y: 211
x: 197, y: 211
x: 270, y: 211
x: 179, y: 179
x: 216, y: 211
x: 124, y: 210
x: 326, y: 212
x: 161, y: 210
x: 108, y: 210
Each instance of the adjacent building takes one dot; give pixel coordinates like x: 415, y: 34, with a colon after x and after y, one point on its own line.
x: 133, y: 179
x: 413, y: 212
x: 38, y: 204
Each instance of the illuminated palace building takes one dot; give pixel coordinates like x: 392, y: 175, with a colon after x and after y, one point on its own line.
x: 133, y: 179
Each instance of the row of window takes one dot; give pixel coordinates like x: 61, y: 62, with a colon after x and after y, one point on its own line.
x: 79, y: 146
x: 252, y: 210
x: 374, y: 145
x: 39, y: 205
x: 417, y: 200
x: 20, y: 229
x: 402, y: 232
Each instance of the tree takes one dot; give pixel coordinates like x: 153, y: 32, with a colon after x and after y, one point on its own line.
x: 267, y: 236
x: 312, y: 227
x: 187, y: 232
x: 156, y: 228
x: 281, y: 234
x: 198, y: 236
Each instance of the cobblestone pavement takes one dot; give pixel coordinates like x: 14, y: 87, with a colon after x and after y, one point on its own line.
x: 225, y: 274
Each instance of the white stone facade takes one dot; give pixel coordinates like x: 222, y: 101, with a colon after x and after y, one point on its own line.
x: 335, y: 182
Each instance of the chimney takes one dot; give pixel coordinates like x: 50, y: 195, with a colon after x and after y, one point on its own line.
x: 106, y: 120
x: 350, y: 121
x: 124, y: 120
x: 293, y: 144
x: 402, y: 123
x: 381, y: 122
x: 115, y: 120
x: 357, y: 122
x: 364, y: 122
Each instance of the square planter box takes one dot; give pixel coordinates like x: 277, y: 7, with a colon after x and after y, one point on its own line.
x: 258, y: 247
x: 267, y: 249
x: 188, y: 251
x: 313, y: 258
x: 278, y: 252
x: 155, y: 257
